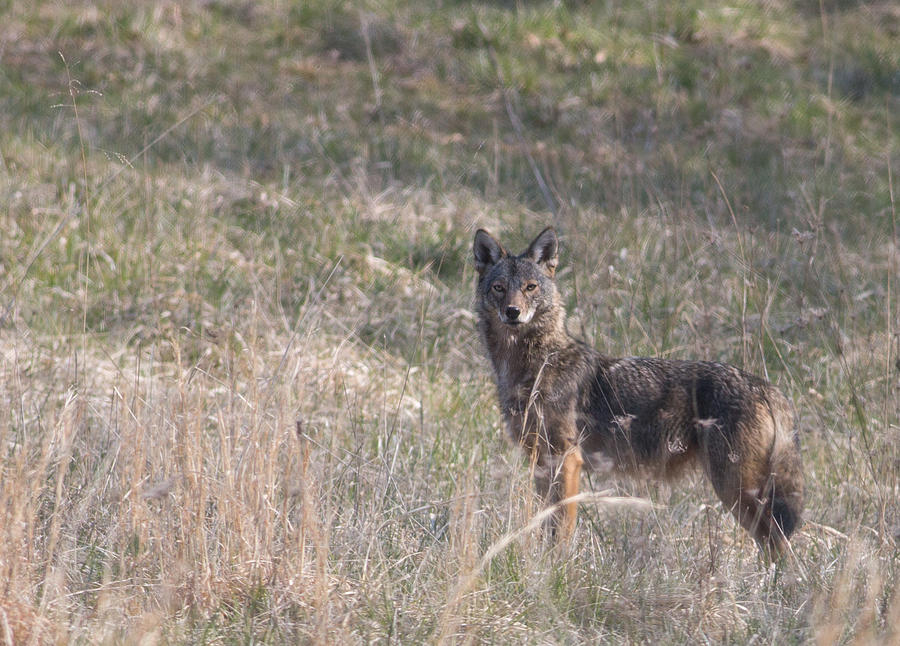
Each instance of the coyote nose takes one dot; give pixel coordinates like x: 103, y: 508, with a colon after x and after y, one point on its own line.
x: 512, y: 312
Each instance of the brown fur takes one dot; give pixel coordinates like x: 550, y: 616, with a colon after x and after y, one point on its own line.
x: 570, y: 406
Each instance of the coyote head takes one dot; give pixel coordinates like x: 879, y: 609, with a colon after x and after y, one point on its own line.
x: 516, y: 289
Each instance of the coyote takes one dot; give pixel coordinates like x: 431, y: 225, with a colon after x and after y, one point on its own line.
x: 571, y: 407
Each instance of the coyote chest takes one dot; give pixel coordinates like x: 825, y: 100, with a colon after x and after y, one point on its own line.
x: 537, y: 394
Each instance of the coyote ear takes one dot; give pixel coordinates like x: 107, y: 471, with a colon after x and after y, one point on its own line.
x: 487, y: 250
x: 544, y: 250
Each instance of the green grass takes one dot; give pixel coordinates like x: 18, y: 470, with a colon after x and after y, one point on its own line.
x: 221, y: 218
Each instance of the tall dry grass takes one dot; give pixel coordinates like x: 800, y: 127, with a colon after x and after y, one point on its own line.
x: 279, y: 477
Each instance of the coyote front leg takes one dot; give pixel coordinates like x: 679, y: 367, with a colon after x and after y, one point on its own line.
x: 570, y: 473
x: 556, y: 479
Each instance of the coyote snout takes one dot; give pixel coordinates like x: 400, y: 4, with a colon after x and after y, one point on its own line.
x: 512, y: 315
x: 563, y: 400
x: 517, y: 312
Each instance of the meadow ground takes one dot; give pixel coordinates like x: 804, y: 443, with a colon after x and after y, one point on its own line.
x: 241, y: 395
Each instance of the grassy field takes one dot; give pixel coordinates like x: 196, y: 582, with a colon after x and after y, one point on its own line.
x: 241, y: 395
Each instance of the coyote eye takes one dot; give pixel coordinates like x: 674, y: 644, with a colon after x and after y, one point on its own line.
x: 497, y: 287
x: 530, y: 287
